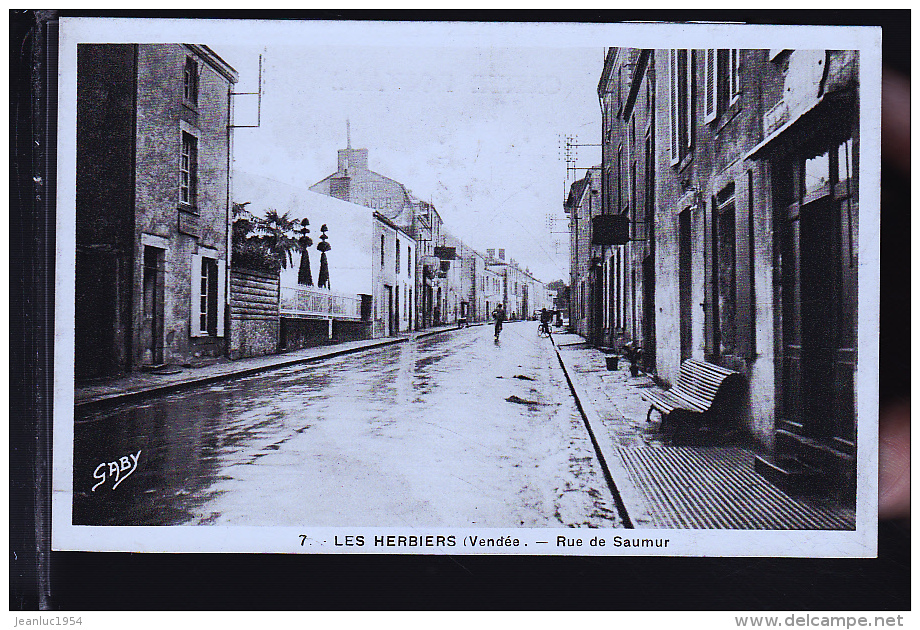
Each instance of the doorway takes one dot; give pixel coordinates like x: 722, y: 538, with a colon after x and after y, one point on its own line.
x: 819, y: 305
x: 154, y: 290
x: 648, y: 313
x: 388, y: 306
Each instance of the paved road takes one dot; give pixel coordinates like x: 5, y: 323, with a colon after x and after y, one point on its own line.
x: 451, y: 430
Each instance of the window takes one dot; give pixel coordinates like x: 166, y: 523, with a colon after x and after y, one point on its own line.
x: 409, y: 261
x: 383, y: 245
x: 632, y: 165
x: 734, y: 74
x: 632, y: 187
x: 619, y: 178
x: 722, y: 69
x: 207, y: 296
x: 726, y: 278
x: 188, y: 170
x: 208, y: 311
x: 397, y: 256
x: 681, y: 105
x: 190, y: 81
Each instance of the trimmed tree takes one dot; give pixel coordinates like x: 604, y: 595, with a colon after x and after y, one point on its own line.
x: 323, y: 263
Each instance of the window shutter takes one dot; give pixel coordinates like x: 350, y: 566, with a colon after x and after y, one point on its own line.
x: 709, y: 262
x: 221, y: 295
x: 675, y: 94
x: 712, y: 82
x: 744, y: 270
x: 689, y: 113
x: 735, y: 63
x: 194, y: 324
x: 193, y: 173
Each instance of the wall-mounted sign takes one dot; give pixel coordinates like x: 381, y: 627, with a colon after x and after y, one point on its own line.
x: 445, y: 253
x: 610, y: 229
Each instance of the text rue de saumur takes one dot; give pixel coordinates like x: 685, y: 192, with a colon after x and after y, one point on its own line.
x: 474, y: 540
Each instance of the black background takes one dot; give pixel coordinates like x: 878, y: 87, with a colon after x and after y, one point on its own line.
x: 82, y: 581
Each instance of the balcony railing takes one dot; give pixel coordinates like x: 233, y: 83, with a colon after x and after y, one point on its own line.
x: 310, y: 302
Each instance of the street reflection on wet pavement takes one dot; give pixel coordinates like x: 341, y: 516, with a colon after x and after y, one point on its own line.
x: 449, y: 430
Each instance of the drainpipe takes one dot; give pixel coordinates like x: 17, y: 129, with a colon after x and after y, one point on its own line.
x: 229, y: 218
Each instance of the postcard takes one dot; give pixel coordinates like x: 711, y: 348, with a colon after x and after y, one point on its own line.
x: 467, y: 288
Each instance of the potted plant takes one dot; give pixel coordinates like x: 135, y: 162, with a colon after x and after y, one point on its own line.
x: 632, y: 350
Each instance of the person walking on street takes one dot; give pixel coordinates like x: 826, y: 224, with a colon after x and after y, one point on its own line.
x: 499, y: 315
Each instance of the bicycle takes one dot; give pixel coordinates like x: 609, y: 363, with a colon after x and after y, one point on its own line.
x: 543, y: 330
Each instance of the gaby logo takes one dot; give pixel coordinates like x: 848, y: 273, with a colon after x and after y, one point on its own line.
x: 117, y: 470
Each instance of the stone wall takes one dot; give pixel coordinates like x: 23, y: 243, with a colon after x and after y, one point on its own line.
x: 104, y: 195
x: 296, y: 333
x: 186, y: 230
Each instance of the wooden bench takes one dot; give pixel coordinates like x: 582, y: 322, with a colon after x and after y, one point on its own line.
x: 698, y: 387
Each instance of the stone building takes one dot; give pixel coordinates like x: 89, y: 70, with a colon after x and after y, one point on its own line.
x: 625, y: 306
x: 424, y: 223
x: 582, y: 205
x: 481, y: 286
x: 152, y: 205
x: 521, y: 293
x: 393, y: 278
x: 491, y: 289
x: 355, y: 183
x: 804, y: 183
x: 737, y: 170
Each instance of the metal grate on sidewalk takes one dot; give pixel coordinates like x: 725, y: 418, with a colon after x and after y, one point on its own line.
x: 717, y: 488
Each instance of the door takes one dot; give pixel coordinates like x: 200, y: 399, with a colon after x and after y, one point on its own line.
x: 152, y: 331
x: 388, y: 310
x: 648, y: 313
x: 396, y: 312
x: 818, y: 301
x: 596, y: 302
x: 684, y: 285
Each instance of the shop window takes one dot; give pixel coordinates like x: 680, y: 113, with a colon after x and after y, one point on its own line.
x: 817, y: 175
x: 845, y: 161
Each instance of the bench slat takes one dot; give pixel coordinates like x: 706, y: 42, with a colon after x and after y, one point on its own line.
x: 697, y: 386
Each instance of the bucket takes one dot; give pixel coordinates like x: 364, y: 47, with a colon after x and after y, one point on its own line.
x: 612, y: 361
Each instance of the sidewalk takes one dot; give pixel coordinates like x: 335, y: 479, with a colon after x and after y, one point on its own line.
x: 675, y: 487
x: 139, y: 384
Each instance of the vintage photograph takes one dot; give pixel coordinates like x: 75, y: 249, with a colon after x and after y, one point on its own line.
x: 441, y: 288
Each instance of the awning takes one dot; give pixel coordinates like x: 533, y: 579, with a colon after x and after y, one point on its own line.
x: 830, y: 115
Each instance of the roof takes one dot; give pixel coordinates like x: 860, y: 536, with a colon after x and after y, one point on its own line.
x: 575, y: 192
x: 577, y: 189
x: 214, y: 60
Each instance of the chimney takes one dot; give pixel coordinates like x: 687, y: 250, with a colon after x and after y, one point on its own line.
x: 490, y: 253
x: 501, y: 254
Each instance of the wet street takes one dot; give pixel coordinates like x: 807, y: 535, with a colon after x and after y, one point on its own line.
x: 449, y: 430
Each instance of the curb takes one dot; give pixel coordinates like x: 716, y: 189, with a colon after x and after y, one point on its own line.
x: 147, y: 391
x: 627, y: 497
x: 432, y: 333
